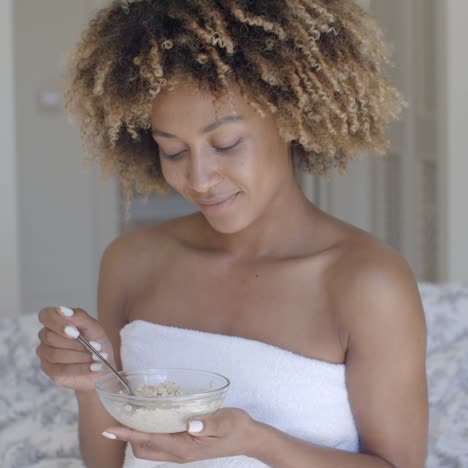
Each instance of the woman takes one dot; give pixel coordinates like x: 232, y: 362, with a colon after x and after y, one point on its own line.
x: 220, y: 101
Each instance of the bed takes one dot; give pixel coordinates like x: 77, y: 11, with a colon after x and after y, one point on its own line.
x: 38, y: 421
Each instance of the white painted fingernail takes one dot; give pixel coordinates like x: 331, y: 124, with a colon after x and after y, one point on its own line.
x: 196, y: 426
x: 95, y: 358
x: 72, y: 332
x: 97, y: 346
x: 109, y: 435
x: 96, y: 366
x: 66, y: 311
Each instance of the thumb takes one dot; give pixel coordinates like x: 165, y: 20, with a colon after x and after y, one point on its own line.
x: 124, y: 433
x: 221, y: 423
x: 213, y: 425
x: 198, y: 427
x: 88, y: 326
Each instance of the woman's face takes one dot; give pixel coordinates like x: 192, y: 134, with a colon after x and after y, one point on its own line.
x: 231, y: 163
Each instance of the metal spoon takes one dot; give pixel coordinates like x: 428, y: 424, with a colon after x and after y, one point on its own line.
x: 88, y: 345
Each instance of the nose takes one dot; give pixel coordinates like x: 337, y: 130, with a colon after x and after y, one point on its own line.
x: 203, y: 173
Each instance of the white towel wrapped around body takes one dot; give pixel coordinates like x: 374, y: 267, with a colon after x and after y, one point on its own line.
x: 306, y: 398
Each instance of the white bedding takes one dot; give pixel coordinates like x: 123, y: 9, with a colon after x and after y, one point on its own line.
x: 38, y: 421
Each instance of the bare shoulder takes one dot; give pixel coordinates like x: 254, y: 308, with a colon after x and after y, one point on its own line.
x: 142, y: 240
x: 127, y: 262
x: 141, y: 250
x: 366, y: 276
x: 377, y: 301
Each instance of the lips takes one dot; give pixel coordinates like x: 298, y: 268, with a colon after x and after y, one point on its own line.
x: 214, y: 202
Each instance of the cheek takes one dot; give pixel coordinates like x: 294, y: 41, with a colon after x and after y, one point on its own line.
x: 254, y: 169
x: 172, y: 174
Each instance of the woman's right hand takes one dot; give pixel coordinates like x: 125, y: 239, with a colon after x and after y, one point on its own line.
x: 63, y: 358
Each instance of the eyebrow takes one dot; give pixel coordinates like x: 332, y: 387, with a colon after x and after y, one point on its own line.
x: 208, y: 128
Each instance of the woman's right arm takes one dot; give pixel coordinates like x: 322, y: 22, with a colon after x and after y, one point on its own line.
x: 96, y: 450
x: 67, y: 363
x: 113, y: 286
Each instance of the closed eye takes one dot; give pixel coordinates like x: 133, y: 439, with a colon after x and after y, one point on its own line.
x: 170, y: 156
x: 227, y: 148
x: 220, y: 149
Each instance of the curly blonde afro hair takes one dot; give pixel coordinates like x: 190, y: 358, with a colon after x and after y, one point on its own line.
x: 316, y: 65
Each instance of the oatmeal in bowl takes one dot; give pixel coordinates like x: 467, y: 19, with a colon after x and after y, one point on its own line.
x: 164, y: 398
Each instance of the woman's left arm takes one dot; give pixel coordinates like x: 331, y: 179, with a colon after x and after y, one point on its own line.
x: 280, y: 450
x: 379, y: 306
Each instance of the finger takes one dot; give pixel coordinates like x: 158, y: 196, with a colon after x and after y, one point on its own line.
x: 63, y: 374
x: 136, y: 437
x: 178, y: 448
x: 143, y: 445
x: 218, y: 424
x: 197, y: 427
x: 69, y: 323
x: 62, y: 356
x: 50, y: 338
x: 52, y: 319
x: 88, y: 326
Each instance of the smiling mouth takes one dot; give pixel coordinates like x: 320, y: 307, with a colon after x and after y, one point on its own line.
x: 208, y: 204
x: 217, y: 207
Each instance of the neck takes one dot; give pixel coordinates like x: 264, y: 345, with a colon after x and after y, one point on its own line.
x: 276, y: 232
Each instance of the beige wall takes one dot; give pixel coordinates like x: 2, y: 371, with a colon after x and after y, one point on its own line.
x: 9, y: 274
x: 66, y: 216
x: 456, y: 148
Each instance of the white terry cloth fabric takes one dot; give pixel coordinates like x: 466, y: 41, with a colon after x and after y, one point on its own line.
x: 307, y: 398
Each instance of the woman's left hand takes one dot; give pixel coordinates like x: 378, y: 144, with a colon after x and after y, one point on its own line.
x: 227, y: 432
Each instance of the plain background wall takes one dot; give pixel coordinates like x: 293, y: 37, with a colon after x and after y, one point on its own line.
x: 9, y: 261
x: 455, y: 141
x: 63, y: 209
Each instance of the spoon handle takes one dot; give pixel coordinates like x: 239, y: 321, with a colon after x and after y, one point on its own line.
x: 88, y: 345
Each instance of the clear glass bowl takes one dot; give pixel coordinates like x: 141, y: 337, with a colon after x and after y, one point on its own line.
x: 203, y: 394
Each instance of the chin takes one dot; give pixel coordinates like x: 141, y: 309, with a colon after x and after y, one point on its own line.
x: 227, y: 226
